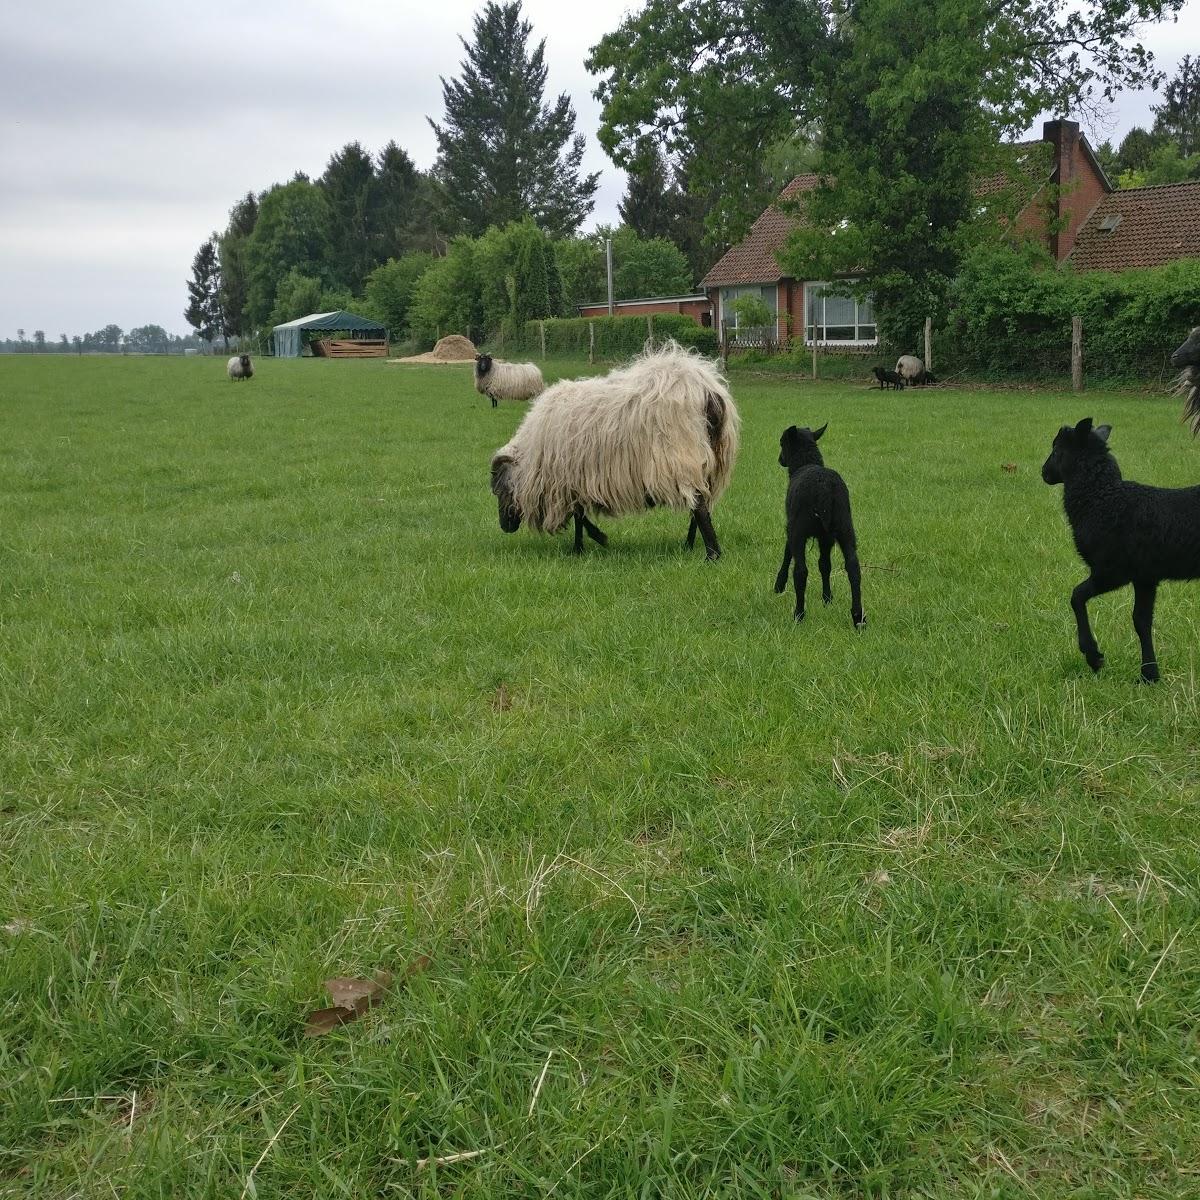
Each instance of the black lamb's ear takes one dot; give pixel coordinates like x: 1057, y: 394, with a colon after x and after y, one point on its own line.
x: 1102, y: 432
x: 1083, y: 429
x: 817, y: 433
x: 790, y: 434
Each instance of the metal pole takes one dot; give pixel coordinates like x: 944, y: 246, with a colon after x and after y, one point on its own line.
x: 608, y: 260
x: 929, y: 343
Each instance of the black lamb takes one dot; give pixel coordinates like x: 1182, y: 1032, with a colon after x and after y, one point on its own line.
x: 818, y: 506
x: 1188, y: 383
x: 1125, y: 532
x: 888, y: 378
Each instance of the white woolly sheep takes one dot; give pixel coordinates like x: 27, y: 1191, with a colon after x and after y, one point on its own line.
x: 1188, y: 383
x: 912, y: 370
x: 240, y: 367
x: 661, y: 431
x: 507, y: 381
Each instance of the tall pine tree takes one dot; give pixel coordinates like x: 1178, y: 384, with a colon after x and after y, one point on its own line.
x: 231, y: 250
x: 502, y: 153
x: 1178, y: 116
x: 351, y: 189
x: 651, y: 205
x: 203, y: 312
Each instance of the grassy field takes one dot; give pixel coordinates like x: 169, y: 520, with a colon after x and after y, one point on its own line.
x: 714, y: 904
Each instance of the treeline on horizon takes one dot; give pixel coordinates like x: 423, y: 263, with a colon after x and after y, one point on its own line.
x: 112, y: 339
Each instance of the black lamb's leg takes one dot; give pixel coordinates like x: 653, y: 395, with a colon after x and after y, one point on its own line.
x: 690, y: 540
x: 703, y: 521
x: 849, y: 547
x: 495, y: 402
x: 1143, y: 621
x: 1091, y: 586
x: 825, y: 565
x: 597, y: 535
x: 781, y: 578
x: 800, y: 579
x: 579, y: 520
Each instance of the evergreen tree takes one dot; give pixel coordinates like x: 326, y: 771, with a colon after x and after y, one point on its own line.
x: 351, y: 188
x: 231, y: 250
x: 502, y: 153
x: 292, y: 232
x: 652, y: 204
x: 203, y: 312
x: 402, y: 217
x: 1178, y: 116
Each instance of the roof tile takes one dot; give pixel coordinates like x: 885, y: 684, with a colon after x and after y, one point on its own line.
x: 1158, y: 225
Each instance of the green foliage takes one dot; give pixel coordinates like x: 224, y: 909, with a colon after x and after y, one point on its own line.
x: 291, y: 234
x: 298, y: 295
x: 1163, y: 165
x: 751, y: 310
x: 503, y: 155
x: 1178, y: 116
x: 390, y: 289
x: 447, y: 298
x: 582, y: 270
x: 350, y: 188
x: 911, y: 99
x: 203, y: 312
x: 1012, y: 315
x: 648, y: 267
x: 652, y: 201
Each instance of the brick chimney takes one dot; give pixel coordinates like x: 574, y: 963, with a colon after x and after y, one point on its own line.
x: 1079, y: 181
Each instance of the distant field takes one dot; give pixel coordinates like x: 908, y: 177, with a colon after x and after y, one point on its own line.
x: 714, y: 903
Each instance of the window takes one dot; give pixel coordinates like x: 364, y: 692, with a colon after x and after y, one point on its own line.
x: 732, y: 326
x: 829, y: 317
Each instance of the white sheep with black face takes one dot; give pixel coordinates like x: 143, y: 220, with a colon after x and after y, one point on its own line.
x: 1188, y: 383
x: 507, y: 381
x: 662, y: 431
x: 239, y: 367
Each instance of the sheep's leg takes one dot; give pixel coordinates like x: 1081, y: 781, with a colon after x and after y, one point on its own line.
x: 579, y: 522
x: 690, y: 540
x: 1143, y: 620
x: 1090, y: 587
x: 849, y: 548
x: 781, y: 578
x: 703, y: 521
x: 597, y: 535
x: 825, y: 565
x: 800, y: 579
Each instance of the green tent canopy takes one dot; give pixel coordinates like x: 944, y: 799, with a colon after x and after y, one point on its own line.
x: 288, y: 340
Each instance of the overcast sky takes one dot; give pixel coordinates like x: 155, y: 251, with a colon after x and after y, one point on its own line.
x: 128, y: 129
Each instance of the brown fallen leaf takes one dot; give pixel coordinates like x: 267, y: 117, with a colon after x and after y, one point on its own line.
x: 353, y: 998
x: 1011, y: 468
x: 502, y: 701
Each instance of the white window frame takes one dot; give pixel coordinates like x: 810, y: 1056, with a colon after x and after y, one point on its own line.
x: 814, y: 325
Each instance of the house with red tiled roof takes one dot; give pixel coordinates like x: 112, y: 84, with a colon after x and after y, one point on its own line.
x: 1071, y: 208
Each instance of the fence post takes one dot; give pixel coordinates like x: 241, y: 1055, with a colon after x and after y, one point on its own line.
x: 724, y: 350
x: 650, y: 328
x: 501, y: 339
x: 928, y: 343
x: 1077, y: 354
x: 591, y: 341
x: 542, y: 330
x: 814, y: 352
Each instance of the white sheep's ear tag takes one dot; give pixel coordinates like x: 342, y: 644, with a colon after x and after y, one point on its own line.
x: 1102, y: 432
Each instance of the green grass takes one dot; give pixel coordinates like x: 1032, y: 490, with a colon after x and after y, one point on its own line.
x: 770, y: 910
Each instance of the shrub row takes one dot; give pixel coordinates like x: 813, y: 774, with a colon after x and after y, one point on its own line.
x: 615, y: 337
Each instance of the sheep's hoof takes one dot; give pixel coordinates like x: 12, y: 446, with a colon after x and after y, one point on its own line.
x: 798, y: 617
x: 780, y: 587
x: 827, y: 597
x: 1095, y: 661
x: 713, y: 555
x: 1149, y: 672
x: 860, y: 622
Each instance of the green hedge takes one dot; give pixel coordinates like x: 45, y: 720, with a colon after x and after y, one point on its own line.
x: 1012, y: 310
x: 615, y: 337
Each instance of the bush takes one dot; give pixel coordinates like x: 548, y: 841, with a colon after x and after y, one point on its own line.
x: 1013, y: 308
x: 616, y: 337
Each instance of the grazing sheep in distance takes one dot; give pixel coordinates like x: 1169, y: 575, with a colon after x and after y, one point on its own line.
x: 818, y: 506
x: 1125, y: 532
x: 913, y: 370
x: 662, y: 430
x: 240, y: 367
x: 888, y: 378
x: 1188, y: 383
x: 507, y: 381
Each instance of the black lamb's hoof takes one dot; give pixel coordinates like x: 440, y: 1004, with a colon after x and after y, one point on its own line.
x: 713, y: 555
x: 780, y: 586
x: 1149, y: 672
x: 798, y: 617
x: 1095, y: 661
x: 827, y: 597
x: 860, y: 622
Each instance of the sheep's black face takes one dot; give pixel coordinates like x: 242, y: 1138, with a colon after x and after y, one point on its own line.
x: 483, y: 364
x: 798, y: 447
x: 510, y: 514
x: 245, y: 360
x: 1072, y: 445
x: 1188, y: 355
